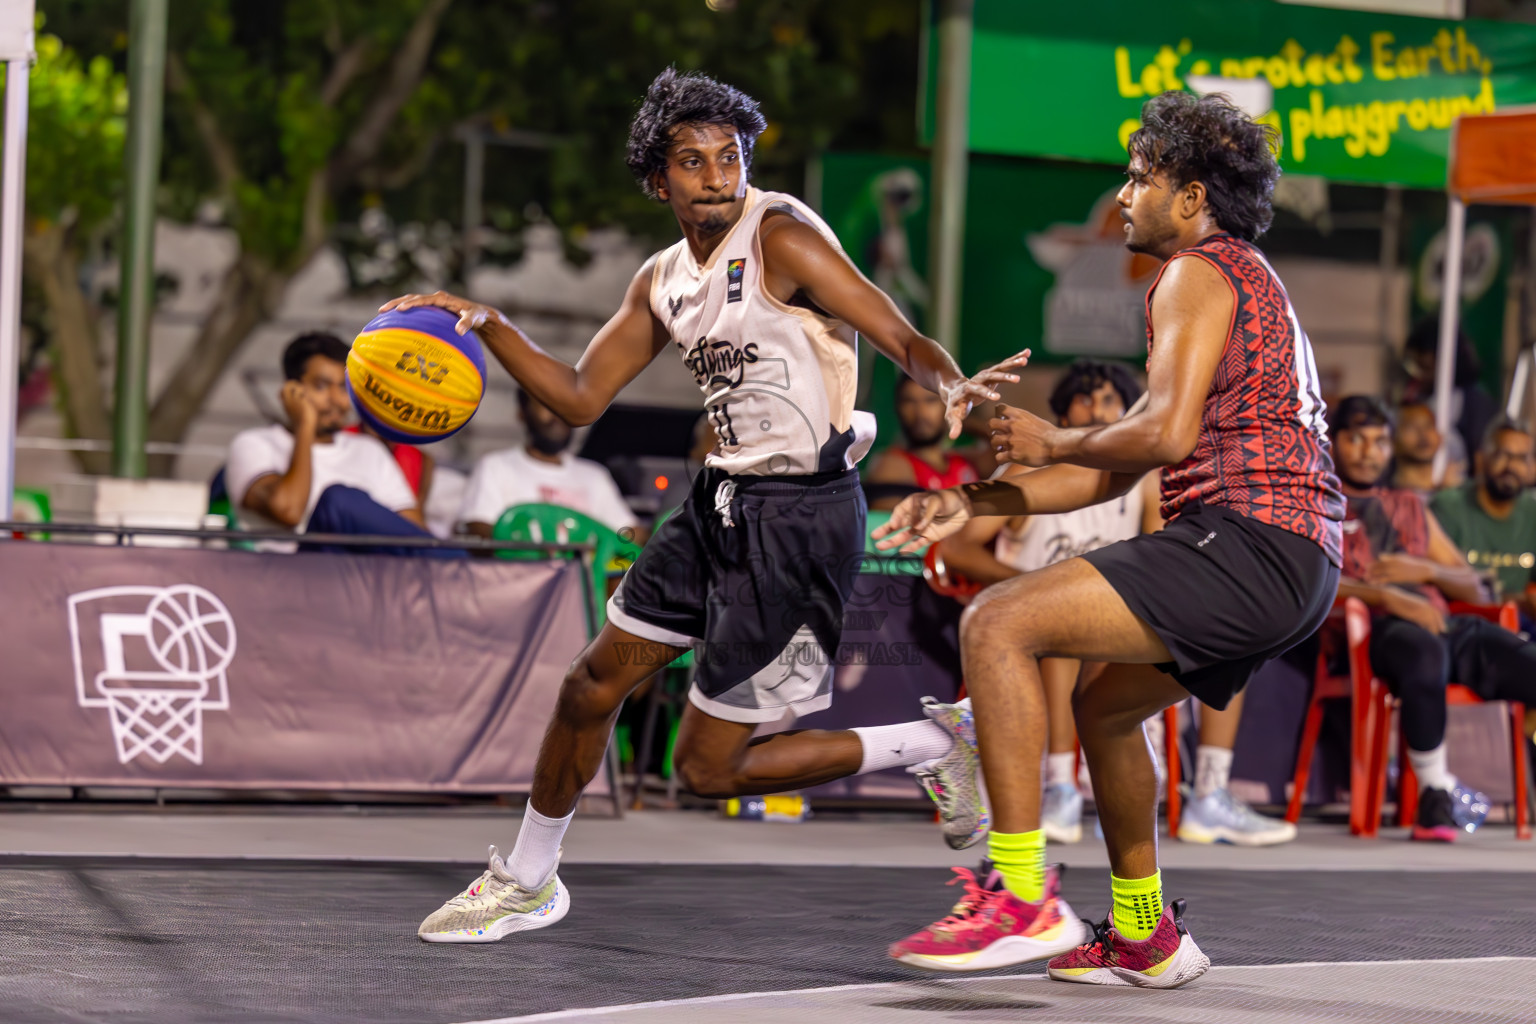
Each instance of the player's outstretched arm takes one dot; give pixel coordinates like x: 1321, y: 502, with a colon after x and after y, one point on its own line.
x: 578, y: 394
x: 1191, y: 318
x: 798, y: 258
x: 924, y: 518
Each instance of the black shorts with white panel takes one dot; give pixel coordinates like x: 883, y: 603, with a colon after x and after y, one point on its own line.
x: 753, y: 573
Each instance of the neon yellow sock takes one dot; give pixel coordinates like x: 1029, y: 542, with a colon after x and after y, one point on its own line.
x: 1020, y: 856
x: 1138, y: 904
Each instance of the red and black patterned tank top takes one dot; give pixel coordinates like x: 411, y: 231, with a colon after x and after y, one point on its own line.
x: 1263, y: 447
x: 1387, y: 522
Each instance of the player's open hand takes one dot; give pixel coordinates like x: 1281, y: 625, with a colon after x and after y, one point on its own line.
x: 960, y: 398
x: 302, y: 412
x: 472, y: 315
x: 1021, y: 437
x: 923, y: 518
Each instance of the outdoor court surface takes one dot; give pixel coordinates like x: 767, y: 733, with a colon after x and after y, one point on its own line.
x: 208, y: 937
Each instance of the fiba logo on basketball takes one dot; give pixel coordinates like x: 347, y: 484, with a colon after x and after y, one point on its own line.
x: 155, y: 658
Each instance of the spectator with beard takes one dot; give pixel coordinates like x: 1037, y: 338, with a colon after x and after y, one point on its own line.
x: 923, y: 462
x: 1493, y: 517
x: 541, y: 472
x: 1414, y: 446
x: 1401, y: 563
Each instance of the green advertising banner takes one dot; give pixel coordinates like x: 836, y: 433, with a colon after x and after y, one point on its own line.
x: 1052, y: 275
x: 1356, y: 96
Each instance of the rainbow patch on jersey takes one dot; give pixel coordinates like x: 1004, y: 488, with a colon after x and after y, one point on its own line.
x: 735, y: 270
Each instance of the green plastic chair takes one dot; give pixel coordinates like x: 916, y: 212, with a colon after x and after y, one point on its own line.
x: 539, y: 524
x: 30, y: 505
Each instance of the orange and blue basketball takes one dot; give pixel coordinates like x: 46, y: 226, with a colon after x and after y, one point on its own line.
x: 413, y: 378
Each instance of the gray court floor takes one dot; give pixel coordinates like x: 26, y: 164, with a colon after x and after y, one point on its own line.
x: 123, y: 940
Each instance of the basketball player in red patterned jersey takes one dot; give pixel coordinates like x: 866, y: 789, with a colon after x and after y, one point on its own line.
x: 1247, y: 566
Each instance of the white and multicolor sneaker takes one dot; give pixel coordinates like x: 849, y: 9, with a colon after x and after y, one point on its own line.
x: 954, y: 780
x: 495, y: 906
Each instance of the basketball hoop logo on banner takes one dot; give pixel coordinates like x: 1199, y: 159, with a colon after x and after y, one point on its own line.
x: 155, y: 658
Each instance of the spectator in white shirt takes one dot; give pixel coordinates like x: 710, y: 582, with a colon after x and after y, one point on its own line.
x: 542, y: 472
x: 312, y: 476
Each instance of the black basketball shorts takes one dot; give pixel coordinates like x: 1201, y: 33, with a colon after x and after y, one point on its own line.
x: 753, y: 573
x: 1224, y: 592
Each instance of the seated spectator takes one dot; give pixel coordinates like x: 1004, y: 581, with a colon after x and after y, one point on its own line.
x: 1399, y: 561
x: 923, y: 462
x: 541, y: 472
x: 1094, y: 392
x: 1414, y: 446
x: 312, y: 476
x: 1493, y: 517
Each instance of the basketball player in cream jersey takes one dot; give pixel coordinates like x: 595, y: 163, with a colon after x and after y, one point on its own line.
x: 764, y: 309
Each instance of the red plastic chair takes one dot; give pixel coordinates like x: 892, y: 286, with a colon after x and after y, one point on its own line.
x: 1366, y: 696
x: 1508, y: 616
x: 951, y: 584
x: 1371, y: 717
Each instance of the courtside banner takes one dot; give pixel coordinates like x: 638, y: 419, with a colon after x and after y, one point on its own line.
x: 1356, y: 95
x: 227, y: 669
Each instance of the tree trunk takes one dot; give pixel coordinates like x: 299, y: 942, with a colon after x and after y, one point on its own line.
x: 48, y: 261
x: 249, y: 294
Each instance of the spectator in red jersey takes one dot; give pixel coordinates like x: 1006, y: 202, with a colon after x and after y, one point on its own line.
x: 923, y: 462
x: 1399, y: 561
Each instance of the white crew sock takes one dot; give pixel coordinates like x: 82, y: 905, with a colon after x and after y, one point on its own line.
x: 1061, y: 769
x: 1213, y: 769
x: 537, y: 851
x: 896, y: 746
x: 1430, y: 767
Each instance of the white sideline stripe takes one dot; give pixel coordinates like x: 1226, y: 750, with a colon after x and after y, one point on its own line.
x: 731, y: 997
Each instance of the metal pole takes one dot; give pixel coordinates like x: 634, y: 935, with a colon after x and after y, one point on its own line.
x: 1450, y: 317
x: 12, y: 211
x: 146, y: 104
x: 951, y: 143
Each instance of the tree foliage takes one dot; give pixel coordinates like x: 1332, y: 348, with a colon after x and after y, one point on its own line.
x: 286, y: 115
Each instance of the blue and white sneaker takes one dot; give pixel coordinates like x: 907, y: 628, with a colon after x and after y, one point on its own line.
x: 1061, y: 813
x: 1220, y: 817
x: 954, y: 780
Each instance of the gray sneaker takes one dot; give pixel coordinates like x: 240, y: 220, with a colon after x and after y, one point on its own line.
x: 496, y: 906
x: 1061, y: 813
x: 1220, y: 817
x: 953, y: 781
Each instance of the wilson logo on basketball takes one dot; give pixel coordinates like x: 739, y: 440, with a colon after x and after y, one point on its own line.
x: 415, y: 363
x: 404, y: 411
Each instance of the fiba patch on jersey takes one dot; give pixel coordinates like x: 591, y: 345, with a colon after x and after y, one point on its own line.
x: 735, y: 270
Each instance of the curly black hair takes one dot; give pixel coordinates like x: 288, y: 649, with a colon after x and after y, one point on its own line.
x: 1210, y: 140
x: 306, y: 346
x: 1085, y: 376
x: 674, y: 100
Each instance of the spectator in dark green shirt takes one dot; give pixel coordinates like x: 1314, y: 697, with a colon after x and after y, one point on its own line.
x: 1493, y: 516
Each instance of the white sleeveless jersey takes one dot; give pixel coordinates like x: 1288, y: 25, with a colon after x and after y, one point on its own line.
x: 778, y: 380
x: 1046, y: 540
